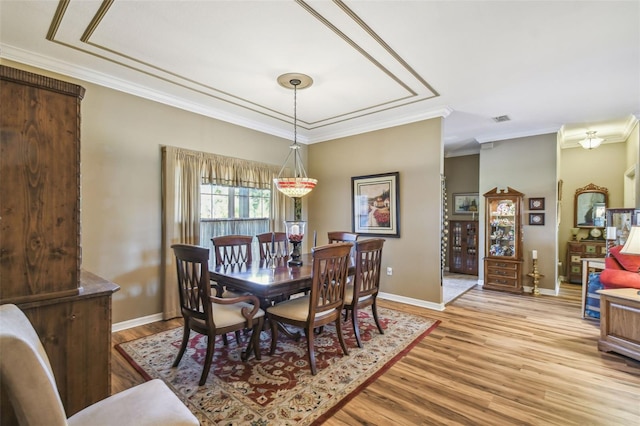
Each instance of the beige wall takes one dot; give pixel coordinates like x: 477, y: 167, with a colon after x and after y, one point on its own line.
x: 527, y: 165
x: 603, y: 166
x: 120, y: 152
x: 414, y: 150
x: 462, y: 176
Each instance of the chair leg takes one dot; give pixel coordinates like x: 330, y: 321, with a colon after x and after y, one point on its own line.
x: 254, y: 342
x: 183, y: 346
x: 374, y: 309
x: 211, y: 342
x: 255, y: 336
x: 310, y: 350
x: 274, y: 335
x: 356, y: 328
x: 340, y: 336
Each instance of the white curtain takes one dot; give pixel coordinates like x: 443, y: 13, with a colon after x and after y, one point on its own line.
x: 182, y: 173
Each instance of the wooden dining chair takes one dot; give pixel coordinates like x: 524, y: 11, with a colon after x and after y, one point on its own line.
x: 210, y: 315
x: 280, y: 245
x: 362, y: 291
x: 342, y: 237
x: 323, y: 305
x: 232, y: 249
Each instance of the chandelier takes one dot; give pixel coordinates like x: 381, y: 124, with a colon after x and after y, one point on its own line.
x: 591, y: 141
x: 299, y: 184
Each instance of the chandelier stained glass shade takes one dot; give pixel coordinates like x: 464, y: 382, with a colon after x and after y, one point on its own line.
x: 299, y: 184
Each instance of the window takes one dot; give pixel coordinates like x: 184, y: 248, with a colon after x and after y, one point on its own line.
x: 229, y: 210
x: 227, y: 202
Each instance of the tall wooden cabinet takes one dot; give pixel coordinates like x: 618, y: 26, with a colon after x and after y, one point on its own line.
x: 463, y: 257
x: 503, y: 236
x: 40, y: 254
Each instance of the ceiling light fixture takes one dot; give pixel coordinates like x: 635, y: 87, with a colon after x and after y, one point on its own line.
x: 299, y: 185
x: 591, y: 141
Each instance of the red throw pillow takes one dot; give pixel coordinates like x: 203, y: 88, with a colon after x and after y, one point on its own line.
x: 612, y: 263
x: 629, y: 262
x: 612, y: 278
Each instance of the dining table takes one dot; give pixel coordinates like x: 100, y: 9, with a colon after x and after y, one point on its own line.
x: 268, y: 280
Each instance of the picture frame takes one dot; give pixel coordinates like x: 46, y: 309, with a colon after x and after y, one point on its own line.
x: 536, y: 219
x: 466, y: 203
x: 536, y: 203
x: 375, y: 205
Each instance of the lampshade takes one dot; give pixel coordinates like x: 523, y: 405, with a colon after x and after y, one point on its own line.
x: 591, y: 141
x: 632, y: 246
x: 299, y: 184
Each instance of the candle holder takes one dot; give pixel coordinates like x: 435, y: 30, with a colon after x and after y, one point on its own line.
x: 295, y: 234
x: 536, y: 278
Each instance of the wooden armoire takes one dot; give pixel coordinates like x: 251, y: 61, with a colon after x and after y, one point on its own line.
x: 40, y: 250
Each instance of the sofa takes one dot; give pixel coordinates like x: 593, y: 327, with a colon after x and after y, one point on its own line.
x: 621, y: 270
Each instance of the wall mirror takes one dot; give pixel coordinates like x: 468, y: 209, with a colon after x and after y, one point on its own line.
x: 589, y: 206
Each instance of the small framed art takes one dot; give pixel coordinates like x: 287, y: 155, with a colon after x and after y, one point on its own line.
x: 465, y: 203
x: 536, y: 218
x: 536, y: 203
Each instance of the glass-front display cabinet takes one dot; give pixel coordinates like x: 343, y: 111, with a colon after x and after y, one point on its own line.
x: 503, y: 236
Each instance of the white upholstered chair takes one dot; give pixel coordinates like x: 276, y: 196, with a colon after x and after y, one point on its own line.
x: 27, y: 377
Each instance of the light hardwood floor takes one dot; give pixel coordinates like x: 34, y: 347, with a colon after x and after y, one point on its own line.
x: 495, y: 359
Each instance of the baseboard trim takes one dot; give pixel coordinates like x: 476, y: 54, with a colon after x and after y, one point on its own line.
x: 124, y: 325
x: 411, y: 301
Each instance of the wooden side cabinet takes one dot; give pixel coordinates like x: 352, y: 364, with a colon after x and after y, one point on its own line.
x: 576, y: 250
x: 40, y: 250
x: 463, y: 258
x: 620, y: 322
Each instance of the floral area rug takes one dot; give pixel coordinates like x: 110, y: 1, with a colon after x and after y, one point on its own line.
x: 279, y: 389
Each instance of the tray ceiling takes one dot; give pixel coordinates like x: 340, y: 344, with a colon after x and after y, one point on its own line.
x: 548, y: 66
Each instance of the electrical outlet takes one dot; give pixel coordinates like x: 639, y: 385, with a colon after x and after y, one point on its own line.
x: 389, y: 270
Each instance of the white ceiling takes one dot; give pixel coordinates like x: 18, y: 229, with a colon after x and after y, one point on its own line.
x: 551, y: 66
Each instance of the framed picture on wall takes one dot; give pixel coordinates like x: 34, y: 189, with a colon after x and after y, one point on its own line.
x: 465, y: 203
x: 375, y: 205
x: 536, y: 218
x: 536, y: 203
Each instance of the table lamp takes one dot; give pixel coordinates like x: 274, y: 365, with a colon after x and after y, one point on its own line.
x: 632, y: 245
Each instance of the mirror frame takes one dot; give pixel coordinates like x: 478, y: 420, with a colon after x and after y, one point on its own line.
x: 584, y: 201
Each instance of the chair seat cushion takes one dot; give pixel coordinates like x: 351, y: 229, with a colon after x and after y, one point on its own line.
x: 348, y: 295
x: 151, y: 403
x: 229, y: 315
x: 295, y: 309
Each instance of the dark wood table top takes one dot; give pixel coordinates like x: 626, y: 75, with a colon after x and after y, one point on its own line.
x: 264, y: 281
